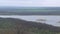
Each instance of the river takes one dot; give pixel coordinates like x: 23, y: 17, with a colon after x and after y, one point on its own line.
x: 50, y: 19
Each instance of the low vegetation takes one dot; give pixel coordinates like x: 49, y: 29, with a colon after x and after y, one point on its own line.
x: 19, y: 26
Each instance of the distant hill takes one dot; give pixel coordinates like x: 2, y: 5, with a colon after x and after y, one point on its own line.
x: 30, y: 11
x: 19, y: 26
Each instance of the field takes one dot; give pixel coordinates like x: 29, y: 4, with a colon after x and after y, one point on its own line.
x: 30, y: 11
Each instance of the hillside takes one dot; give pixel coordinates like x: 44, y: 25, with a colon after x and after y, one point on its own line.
x: 19, y: 26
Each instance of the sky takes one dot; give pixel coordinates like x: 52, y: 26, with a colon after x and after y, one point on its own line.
x: 31, y: 3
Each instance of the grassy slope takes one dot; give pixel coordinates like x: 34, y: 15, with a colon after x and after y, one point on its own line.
x: 16, y: 26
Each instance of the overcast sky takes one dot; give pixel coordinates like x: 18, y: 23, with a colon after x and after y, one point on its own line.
x: 31, y: 3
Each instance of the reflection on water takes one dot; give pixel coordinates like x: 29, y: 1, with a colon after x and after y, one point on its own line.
x: 53, y: 20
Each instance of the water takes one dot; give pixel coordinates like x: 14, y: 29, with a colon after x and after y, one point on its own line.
x: 51, y: 20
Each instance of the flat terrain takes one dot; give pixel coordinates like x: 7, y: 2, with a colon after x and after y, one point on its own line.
x: 30, y: 11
